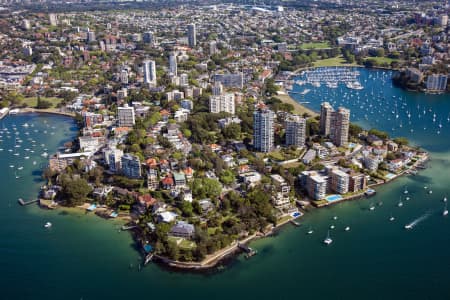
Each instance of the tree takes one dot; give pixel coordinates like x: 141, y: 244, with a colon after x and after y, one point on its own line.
x: 206, y: 188
x: 186, y: 208
x: 227, y: 177
x: 75, y: 191
x: 402, y: 141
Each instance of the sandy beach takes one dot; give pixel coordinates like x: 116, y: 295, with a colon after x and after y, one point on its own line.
x: 298, y: 108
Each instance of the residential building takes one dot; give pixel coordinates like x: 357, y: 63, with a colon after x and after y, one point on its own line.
x: 184, y: 80
x: 340, y: 127
x: 437, y: 82
x: 263, y: 130
x: 173, y: 66
x: 150, y: 72
x: 131, y: 166
x: 339, y: 181
x: 358, y: 182
x: 179, y: 179
x: 316, y: 186
x: 217, y: 89
x: 124, y: 76
x: 222, y: 103
x: 192, y: 35
x: 230, y: 80
x: 53, y: 19
x: 326, y: 111
x: 152, y: 179
x: 91, y: 119
x: 126, y: 116
x: 113, y: 158
x: 183, y: 230
x: 295, y: 131
x: 148, y: 37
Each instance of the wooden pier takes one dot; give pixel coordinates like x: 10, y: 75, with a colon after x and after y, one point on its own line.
x: 250, y: 252
x: 24, y: 203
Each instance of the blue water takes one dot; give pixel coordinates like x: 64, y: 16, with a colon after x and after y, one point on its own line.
x: 83, y: 256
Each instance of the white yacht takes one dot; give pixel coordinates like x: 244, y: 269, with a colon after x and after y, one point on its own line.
x: 48, y: 225
x: 445, y: 212
x: 328, y: 239
x: 347, y: 228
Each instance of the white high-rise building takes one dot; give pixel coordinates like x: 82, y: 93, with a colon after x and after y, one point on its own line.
x: 295, y: 131
x: 192, y: 35
x: 91, y: 36
x: 340, y: 126
x: 263, y: 130
x: 150, y: 72
x: 53, y: 19
x: 124, y: 76
x: 113, y: 157
x: 184, y: 79
x: 126, y: 116
x: 26, y: 25
x: 326, y: 111
x: 222, y: 103
x: 213, y: 48
x: 173, y: 67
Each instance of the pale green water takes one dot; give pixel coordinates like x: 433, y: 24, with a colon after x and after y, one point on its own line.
x: 85, y: 257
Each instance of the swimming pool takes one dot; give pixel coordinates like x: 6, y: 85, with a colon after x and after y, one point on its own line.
x: 332, y: 198
x: 390, y: 176
x: 296, y: 214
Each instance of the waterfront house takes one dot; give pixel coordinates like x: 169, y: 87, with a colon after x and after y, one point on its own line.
x: 182, y: 229
x: 167, y: 217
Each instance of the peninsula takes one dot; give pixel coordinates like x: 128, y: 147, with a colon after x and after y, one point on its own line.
x: 187, y: 130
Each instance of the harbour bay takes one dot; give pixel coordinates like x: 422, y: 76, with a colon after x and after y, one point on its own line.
x: 83, y: 256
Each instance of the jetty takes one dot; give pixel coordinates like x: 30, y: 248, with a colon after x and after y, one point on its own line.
x: 24, y: 203
x: 293, y: 222
x: 128, y: 227
x: 250, y: 252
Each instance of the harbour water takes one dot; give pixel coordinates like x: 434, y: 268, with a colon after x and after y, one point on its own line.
x: 85, y: 257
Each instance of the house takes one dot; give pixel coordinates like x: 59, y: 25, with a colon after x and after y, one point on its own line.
x: 250, y: 178
x: 228, y: 160
x: 167, y: 182
x: 374, y: 140
x: 146, y: 200
x: 309, y: 156
x: 102, y: 192
x: 206, y: 205
x: 179, y: 179
x: 187, y: 196
x: 395, y: 165
x: 189, y: 173
x: 182, y: 229
x: 167, y: 217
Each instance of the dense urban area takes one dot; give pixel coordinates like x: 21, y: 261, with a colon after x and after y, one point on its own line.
x: 187, y: 130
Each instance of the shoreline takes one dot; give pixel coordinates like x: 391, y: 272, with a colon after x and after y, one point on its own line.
x: 298, y: 108
x: 51, y: 111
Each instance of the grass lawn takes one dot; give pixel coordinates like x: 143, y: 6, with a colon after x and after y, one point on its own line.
x: 283, y: 219
x: 317, y: 45
x: 382, y: 60
x: 183, y: 243
x: 32, y: 101
x: 332, y: 62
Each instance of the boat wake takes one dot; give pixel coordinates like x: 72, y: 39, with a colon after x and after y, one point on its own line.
x: 412, y: 224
